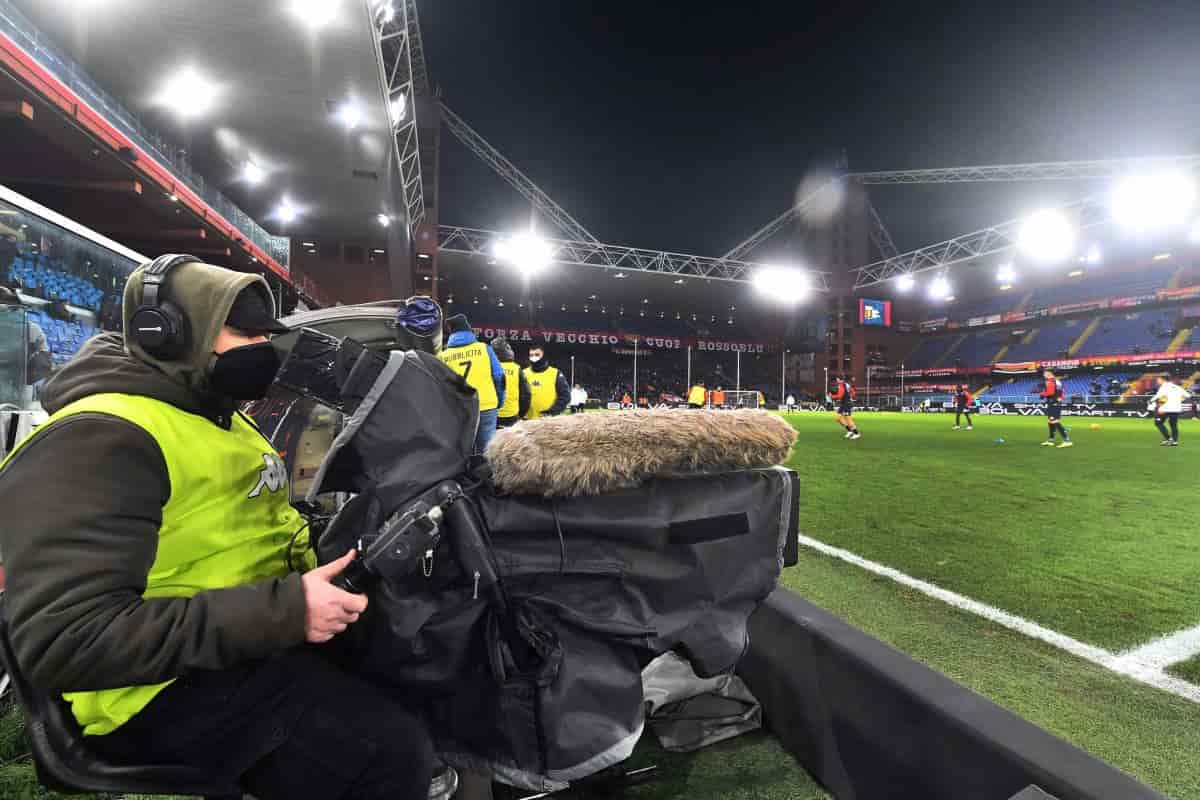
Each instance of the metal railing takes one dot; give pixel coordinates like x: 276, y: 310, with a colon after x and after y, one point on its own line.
x: 16, y: 27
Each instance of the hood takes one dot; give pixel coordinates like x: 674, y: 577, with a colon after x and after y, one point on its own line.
x: 503, y: 350
x: 103, y: 365
x: 460, y: 338
x: 204, y: 293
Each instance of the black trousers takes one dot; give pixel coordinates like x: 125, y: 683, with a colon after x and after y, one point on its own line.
x: 293, y: 726
x: 1161, y: 423
x: 958, y: 412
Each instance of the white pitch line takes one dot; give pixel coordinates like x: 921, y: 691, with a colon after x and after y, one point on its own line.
x: 1143, y: 672
x: 1164, y: 651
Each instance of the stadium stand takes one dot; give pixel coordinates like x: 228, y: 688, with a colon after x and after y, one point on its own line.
x: 929, y: 351
x: 981, y: 348
x: 982, y: 308
x: 1123, y: 284
x: 42, y: 277
x: 1146, y: 332
x: 1104, y: 387
x: 64, y: 337
x: 1052, y: 341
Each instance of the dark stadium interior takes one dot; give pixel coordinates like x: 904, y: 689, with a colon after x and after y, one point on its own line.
x: 876, y: 216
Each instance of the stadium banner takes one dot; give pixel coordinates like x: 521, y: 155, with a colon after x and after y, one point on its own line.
x: 1069, y: 410
x: 942, y: 372
x: 933, y: 324
x: 1074, y: 308
x: 905, y: 326
x: 1178, y: 357
x: 990, y: 319
x: 1131, y: 302
x: 535, y: 335
x: 877, y: 313
x: 1182, y: 293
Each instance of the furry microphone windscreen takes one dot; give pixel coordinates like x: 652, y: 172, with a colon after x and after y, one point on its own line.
x: 587, y: 454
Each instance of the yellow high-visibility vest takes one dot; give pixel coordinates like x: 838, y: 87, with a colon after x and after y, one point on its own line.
x: 472, y: 362
x: 696, y: 396
x: 543, y: 390
x: 512, y: 390
x: 228, y: 522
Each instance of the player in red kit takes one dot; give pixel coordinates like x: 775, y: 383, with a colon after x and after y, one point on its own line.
x: 1053, y: 393
x: 962, y: 405
x: 843, y: 395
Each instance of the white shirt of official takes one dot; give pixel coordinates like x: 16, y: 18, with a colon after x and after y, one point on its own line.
x: 1172, y: 396
x: 579, y: 397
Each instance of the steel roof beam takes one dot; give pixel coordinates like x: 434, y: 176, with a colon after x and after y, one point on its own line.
x: 1041, y: 171
x: 1088, y: 212
x: 472, y: 241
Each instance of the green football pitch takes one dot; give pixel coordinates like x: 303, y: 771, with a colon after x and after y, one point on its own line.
x: 1099, y: 542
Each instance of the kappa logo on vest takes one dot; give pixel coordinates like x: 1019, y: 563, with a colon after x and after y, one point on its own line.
x: 273, y: 475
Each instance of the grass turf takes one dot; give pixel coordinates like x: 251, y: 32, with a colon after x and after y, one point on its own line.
x: 1096, y: 541
x: 1099, y: 541
x: 1188, y: 670
x: 1148, y: 733
x: 1090, y: 541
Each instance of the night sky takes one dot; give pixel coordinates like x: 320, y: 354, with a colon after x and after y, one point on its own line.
x: 686, y: 126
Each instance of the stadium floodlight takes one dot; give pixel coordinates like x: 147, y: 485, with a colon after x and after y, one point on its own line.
x: 286, y: 211
x: 1154, y: 201
x: 350, y: 114
x: 940, y: 288
x: 787, y: 285
x: 526, y: 251
x: 1093, y: 256
x: 314, y: 13
x: 383, y: 219
x: 1046, y: 236
x: 398, y: 107
x: 1006, y: 274
x: 252, y: 174
x: 906, y: 282
x: 188, y: 93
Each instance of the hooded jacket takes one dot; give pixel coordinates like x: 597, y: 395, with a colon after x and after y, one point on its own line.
x: 89, y: 493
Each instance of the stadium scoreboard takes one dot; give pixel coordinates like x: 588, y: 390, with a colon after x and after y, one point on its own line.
x: 877, y: 313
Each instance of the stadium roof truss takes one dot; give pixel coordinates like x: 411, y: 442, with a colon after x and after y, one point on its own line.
x: 402, y: 60
x: 967, y: 247
x: 473, y: 241
x: 1088, y: 212
x: 771, y: 228
x: 515, y: 178
x: 1043, y: 171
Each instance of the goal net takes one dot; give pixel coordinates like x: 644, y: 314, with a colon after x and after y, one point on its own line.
x: 741, y: 399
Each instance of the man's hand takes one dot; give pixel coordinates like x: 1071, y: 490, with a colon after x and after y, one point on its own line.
x: 329, y: 609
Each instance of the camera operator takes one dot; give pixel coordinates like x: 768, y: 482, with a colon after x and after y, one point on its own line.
x: 156, y: 567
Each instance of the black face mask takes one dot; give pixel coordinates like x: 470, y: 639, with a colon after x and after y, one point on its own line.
x: 245, y: 373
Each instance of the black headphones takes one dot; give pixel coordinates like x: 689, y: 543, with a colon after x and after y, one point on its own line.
x: 158, y: 326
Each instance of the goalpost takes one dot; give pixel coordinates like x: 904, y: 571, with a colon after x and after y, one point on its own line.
x: 741, y: 399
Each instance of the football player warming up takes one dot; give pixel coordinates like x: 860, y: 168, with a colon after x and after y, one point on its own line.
x: 843, y: 395
x: 1053, y: 393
